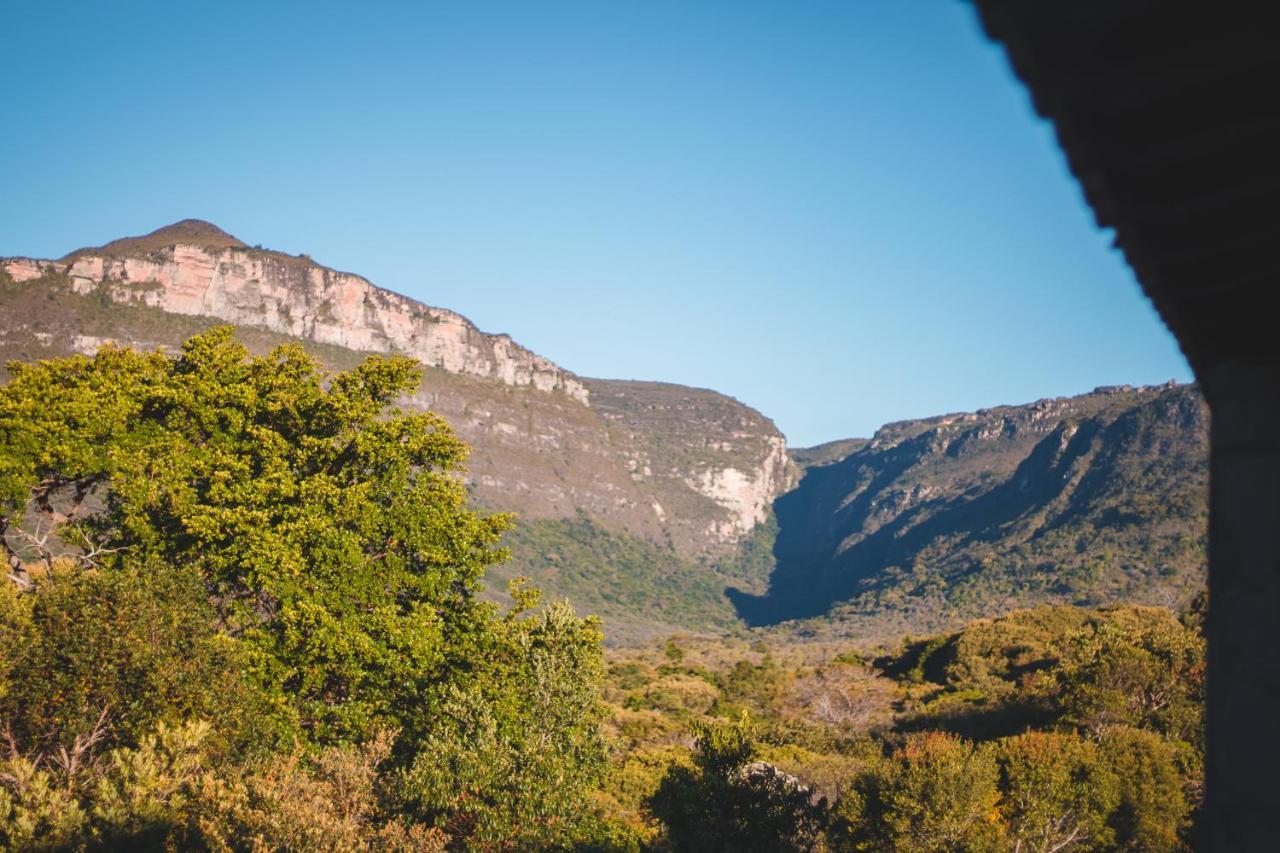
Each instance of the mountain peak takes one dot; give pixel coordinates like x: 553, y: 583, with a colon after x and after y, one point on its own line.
x: 193, y: 232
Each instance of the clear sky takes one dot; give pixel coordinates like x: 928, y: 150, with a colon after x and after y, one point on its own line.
x: 841, y: 213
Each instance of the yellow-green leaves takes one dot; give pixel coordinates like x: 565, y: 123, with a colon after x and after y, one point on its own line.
x: 328, y: 527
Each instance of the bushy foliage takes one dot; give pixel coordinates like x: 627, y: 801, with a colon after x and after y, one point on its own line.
x: 516, y: 752
x: 1139, y: 668
x: 334, y: 800
x: 230, y: 578
x: 94, y: 660
x: 1154, y: 808
x: 172, y: 792
x: 935, y: 793
x: 1059, y: 793
x: 971, y: 740
x: 726, y: 801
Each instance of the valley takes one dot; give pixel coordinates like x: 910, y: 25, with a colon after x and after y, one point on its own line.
x: 665, y: 508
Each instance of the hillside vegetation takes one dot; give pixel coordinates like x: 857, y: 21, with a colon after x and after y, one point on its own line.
x: 665, y: 508
x: 1058, y: 728
x: 1087, y: 500
x: 242, y: 612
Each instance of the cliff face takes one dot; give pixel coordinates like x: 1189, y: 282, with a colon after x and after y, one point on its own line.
x: 684, y: 470
x: 294, y: 296
x: 713, y: 465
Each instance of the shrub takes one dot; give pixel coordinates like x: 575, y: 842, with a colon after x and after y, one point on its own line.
x: 726, y: 801
x: 1059, y: 793
x: 936, y: 793
x: 334, y: 800
x: 1138, y: 667
x: 94, y: 660
x: 1154, y: 808
x: 516, y: 753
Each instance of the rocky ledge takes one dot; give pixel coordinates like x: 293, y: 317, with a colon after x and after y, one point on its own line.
x: 196, y: 274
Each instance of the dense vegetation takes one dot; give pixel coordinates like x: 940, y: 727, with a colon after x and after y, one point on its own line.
x: 1057, y: 728
x: 616, y: 575
x: 243, y: 612
x: 635, y: 585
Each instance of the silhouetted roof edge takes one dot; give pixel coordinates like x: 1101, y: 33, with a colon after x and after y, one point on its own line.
x: 1168, y: 118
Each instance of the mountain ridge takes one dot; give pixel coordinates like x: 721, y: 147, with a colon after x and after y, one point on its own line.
x: 219, y: 276
x: 1091, y: 499
x: 192, y: 232
x: 664, y: 507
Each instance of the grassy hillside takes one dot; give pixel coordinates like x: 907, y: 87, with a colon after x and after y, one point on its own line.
x: 640, y: 589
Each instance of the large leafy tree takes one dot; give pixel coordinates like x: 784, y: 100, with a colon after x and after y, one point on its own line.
x: 937, y: 792
x: 1059, y: 793
x: 329, y: 529
x: 253, y: 551
x: 728, y: 801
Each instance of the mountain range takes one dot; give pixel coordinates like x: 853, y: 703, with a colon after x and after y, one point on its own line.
x: 663, y: 507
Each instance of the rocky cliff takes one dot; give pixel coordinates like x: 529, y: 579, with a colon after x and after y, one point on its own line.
x: 196, y: 269
x: 645, y: 502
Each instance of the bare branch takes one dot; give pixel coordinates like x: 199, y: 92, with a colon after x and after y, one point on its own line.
x: 70, y: 761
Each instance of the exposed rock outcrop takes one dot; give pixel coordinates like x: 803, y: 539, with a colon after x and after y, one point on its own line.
x: 293, y: 296
x: 715, y: 465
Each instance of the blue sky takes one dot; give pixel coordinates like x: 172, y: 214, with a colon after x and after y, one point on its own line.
x: 841, y: 213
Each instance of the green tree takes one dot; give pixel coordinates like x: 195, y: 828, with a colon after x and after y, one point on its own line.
x: 727, y: 801
x: 516, y: 751
x: 96, y: 660
x: 1154, y: 807
x: 329, y: 529
x: 936, y: 793
x: 283, y: 552
x: 1139, y: 667
x: 1058, y: 793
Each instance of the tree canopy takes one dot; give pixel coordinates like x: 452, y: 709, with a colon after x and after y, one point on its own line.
x: 254, y: 557
x: 327, y: 528
x: 243, y: 611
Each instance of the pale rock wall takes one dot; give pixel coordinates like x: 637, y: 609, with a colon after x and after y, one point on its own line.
x: 747, y: 495
x: 296, y: 297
